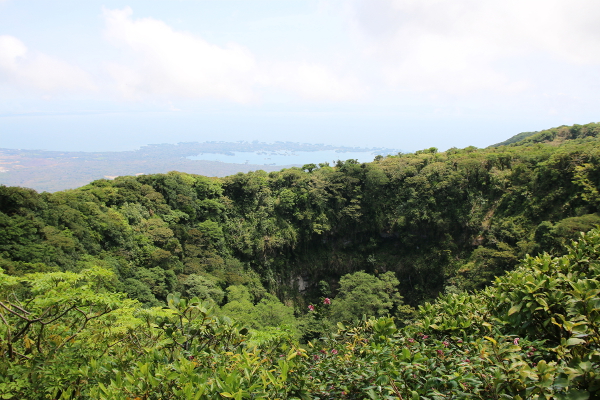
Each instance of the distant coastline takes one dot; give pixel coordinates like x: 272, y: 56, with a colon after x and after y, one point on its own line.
x: 59, y: 170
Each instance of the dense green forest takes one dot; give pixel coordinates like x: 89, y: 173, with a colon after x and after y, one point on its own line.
x: 373, y: 280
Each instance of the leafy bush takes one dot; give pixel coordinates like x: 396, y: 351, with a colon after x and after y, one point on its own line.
x: 533, y: 334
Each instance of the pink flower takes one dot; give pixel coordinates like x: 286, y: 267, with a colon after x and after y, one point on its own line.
x: 327, y: 301
x: 425, y: 337
x: 445, y: 343
x: 311, y: 307
x: 334, y: 351
x: 440, y: 352
x: 411, y: 340
x: 516, y: 341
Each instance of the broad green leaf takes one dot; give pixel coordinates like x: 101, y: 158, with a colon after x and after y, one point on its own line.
x: 491, y: 340
x: 574, y: 341
x: 574, y: 395
x: 515, y: 309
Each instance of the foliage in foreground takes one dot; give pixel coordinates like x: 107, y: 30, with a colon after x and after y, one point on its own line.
x: 533, y: 334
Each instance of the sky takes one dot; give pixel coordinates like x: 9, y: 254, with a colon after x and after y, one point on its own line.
x: 406, y: 74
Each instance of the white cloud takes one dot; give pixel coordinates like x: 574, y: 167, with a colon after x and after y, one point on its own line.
x: 167, y: 62
x: 23, y: 68
x: 462, y: 46
x: 160, y: 61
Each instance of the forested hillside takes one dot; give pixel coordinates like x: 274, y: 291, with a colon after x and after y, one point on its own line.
x: 439, y: 221
x: 291, y: 253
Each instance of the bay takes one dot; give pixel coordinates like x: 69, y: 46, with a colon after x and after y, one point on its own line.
x: 286, y: 157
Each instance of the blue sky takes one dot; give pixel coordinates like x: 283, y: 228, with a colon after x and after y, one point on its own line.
x: 406, y: 74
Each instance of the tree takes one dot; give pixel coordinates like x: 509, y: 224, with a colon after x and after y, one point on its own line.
x: 268, y: 312
x: 239, y: 306
x: 203, y: 287
x: 272, y: 312
x: 364, y: 294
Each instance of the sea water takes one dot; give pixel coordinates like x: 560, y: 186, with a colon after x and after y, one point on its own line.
x: 286, y: 157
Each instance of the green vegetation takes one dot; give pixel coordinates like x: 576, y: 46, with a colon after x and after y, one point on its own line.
x: 441, y: 221
x: 372, y: 280
x: 533, y: 334
x: 514, y: 139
